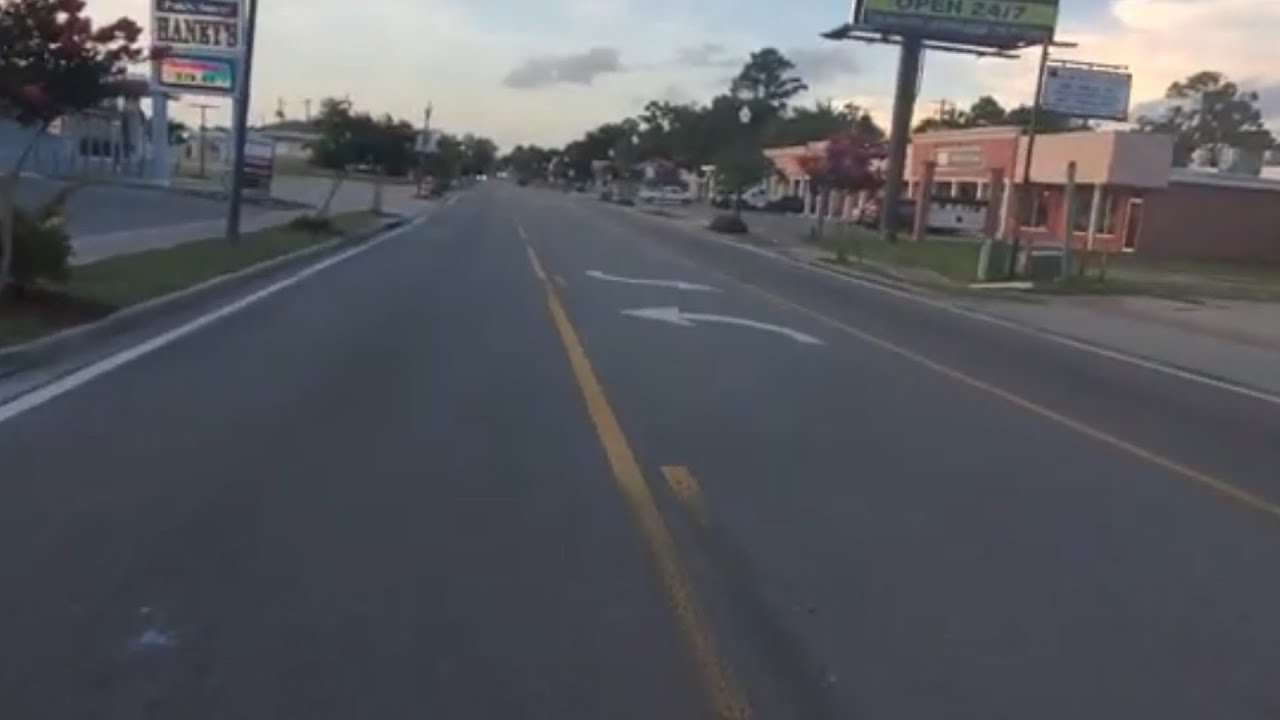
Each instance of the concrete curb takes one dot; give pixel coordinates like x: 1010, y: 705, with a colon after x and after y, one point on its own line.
x: 75, y: 341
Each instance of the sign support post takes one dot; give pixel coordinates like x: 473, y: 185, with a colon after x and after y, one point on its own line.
x: 240, y: 133
x: 904, y: 107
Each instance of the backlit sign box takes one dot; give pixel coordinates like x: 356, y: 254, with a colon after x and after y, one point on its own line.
x: 205, y: 43
x: 1087, y: 93
x: 205, y: 75
x: 1002, y: 24
x: 198, y: 25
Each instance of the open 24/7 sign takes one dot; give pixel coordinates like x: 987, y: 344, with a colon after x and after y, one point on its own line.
x: 987, y: 23
x: 204, y: 26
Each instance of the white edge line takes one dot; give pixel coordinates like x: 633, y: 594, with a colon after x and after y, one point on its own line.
x: 87, y: 374
x: 1009, y: 324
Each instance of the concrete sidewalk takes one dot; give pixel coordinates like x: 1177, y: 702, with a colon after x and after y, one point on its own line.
x: 1238, y: 342
x: 92, y: 248
x: 1235, y: 341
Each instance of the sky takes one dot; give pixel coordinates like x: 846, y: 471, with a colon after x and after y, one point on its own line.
x: 544, y: 71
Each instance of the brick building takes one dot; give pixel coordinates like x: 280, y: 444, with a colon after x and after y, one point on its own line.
x: 1129, y: 198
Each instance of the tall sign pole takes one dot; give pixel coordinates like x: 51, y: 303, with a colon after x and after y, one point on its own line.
x: 241, y: 127
x: 991, y: 28
x: 904, y: 107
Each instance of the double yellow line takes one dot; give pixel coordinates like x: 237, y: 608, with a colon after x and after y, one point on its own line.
x: 727, y: 699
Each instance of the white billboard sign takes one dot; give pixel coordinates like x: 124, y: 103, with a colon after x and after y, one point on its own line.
x: 205, y: 43
x: 205, y: 26
x: 1087, y: 93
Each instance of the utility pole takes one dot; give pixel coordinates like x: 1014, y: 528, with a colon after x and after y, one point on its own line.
x: 241, y: 127
x: 307, y: 104
x: 1024, y: 197
x: 204, y: 128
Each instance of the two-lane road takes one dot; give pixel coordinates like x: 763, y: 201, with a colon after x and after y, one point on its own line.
x: 539, y: 457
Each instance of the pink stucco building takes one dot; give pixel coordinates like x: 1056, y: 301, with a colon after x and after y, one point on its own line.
x: 1129, y: 198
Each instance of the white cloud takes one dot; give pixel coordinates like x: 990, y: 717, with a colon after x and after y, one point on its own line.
x: 576, y: 68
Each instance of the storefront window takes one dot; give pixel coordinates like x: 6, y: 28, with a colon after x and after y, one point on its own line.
x: 966, y: 191
x: 1084, y: 205
x: 1035, y: 214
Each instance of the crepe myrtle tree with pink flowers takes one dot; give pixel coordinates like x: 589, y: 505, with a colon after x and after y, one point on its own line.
x: 55, y: 62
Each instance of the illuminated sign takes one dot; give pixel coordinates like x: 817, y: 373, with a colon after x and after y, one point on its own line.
x: 1090, y: 93
x: 210, y: 75
x: 198, y: 25
x: 988, y: 23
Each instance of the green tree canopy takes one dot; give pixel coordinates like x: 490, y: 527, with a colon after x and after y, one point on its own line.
x: 1211, y: 112
x: 769, y: 79
x: 986, y: 111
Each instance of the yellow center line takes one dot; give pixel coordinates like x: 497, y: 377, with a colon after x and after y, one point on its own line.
x: 1217, y: 486
x: 685, y: 486
x: 727, y: 699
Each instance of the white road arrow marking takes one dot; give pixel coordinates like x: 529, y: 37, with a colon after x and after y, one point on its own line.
x: 674, y: 316
x: 678, y: 285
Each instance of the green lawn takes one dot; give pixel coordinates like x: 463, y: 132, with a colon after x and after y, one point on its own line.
x: 99, y: 288
x: 1241, y: 280
x: 953, y: 259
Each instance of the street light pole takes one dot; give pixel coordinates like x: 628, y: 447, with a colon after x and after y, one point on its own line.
x: 744, y: 116
x: 241, y: 128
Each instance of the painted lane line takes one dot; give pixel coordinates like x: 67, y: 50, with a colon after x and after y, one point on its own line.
x: 87, y: 374
x: 675, y: 284
x: 727, y: 699
x: 675, y: 316
x: 1215, y: 485
x: 537, y: 265
x: 687, y: 489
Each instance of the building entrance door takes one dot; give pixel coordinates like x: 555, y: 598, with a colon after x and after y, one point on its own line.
x: 1133, y: 225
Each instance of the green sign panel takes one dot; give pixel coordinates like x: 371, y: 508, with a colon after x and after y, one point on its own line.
x: 989, y: 23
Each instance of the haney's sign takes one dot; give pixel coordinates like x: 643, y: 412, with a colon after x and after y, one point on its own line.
x: 201, y: 26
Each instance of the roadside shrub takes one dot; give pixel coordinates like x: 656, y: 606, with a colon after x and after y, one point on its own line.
x: 313, y: 224
x: 41, y: 244
x: 728, y: 224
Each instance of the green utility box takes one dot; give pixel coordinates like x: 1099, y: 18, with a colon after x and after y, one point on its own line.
x: 995, y: 261
x: 1045, y: 264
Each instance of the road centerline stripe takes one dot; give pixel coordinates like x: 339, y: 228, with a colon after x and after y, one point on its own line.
x: 1214, y: 485
x: 726, y: 698
x: 686, y: 487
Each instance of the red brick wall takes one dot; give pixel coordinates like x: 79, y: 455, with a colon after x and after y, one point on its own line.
x: 1210, y: 222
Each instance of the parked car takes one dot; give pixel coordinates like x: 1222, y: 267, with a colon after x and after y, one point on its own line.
x: 666, y: 195
x: 870, y: 212
x: 756, y: 198
x: 791, y: 204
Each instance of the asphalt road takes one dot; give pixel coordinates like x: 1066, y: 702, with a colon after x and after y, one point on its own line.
x: 448, y: 477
